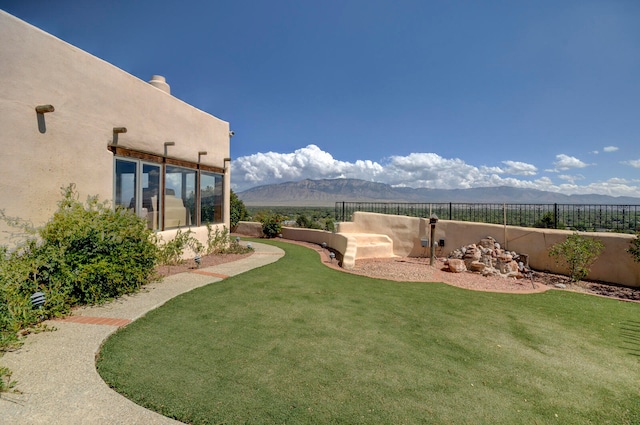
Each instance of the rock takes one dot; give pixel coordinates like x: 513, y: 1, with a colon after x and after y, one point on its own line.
x: 487, y: 242
x: 476, y: 266
x: 560, y: 285
x: 456, y: 265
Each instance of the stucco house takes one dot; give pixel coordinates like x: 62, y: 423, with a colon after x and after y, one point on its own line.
x: 67, y: 116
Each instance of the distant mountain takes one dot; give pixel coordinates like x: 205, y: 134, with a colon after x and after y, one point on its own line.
x: 326, y: 192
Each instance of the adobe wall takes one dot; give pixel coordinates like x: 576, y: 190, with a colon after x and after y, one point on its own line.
x: 614, y: 265
x: 43, y: 153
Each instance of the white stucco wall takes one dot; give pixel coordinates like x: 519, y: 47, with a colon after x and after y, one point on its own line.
x: 90, y: 97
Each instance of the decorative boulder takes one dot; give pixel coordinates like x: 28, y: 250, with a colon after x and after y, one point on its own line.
x: 456, y: 266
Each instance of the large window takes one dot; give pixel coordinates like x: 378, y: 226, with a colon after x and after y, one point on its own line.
x: 137, y: 187
x: 179, y: 197
x: 168, y: 195
x: 211, y: 197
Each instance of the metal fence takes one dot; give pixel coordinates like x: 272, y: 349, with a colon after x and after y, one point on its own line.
x: 582, y: 217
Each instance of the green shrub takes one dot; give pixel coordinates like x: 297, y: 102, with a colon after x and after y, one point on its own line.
x: 86, y: 253
x: 578, y: 254
x: 271, y: 224
x: 237, y: 210
x: 170, y: 253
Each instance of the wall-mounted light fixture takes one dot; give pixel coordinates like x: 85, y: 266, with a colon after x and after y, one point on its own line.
x: 231, y: 134
x: 166, y: 144
x: 201, y: 153
x: 43, y: 109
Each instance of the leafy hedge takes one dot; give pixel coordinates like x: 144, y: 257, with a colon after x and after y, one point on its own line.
x: 87, y: 253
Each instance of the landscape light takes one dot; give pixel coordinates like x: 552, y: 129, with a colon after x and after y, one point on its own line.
x: 37, y: 300
x: 197, y: 259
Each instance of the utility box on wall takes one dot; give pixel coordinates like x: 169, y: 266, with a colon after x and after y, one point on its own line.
x: 424, y: 242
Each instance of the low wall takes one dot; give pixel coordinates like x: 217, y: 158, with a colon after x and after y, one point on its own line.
x: 614, y: 265
x: 342, y: 245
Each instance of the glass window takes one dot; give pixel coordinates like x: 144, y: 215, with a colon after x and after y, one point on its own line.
x: 211, y: 197
x: 125, y: 186
x: 192, y: 197
x: 145, y: 204
x: 179, y: 197
x: 150, y: 195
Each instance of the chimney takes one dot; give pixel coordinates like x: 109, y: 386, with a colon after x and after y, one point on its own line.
x: 159, y: 82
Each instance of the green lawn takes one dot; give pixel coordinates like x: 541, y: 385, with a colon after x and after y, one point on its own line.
x: 298, y: 343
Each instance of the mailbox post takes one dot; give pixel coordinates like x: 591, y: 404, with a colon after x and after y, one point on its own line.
x: 433, y: 219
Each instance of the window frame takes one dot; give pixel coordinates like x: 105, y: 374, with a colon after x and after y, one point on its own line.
x: 141, y: 158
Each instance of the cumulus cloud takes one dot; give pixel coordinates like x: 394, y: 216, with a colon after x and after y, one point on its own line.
x: 635, y: 163
x: 609, y: 149
x: 520, y: 168
x: 566, y: 162
x: 416, y: 170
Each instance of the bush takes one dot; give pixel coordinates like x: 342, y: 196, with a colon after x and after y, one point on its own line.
x: 271, y: 224
x: 170, y: 253
x: 85, y: 254
x: 238, y: 211
x: 578, y: 253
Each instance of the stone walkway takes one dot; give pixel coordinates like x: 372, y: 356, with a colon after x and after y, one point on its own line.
x: 56, y: 373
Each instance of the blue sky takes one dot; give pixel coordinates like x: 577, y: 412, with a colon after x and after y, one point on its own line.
x: 440, y: 94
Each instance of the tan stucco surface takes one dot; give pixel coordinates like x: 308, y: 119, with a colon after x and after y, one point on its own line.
x: 90, y: 97
x: 614, y: 265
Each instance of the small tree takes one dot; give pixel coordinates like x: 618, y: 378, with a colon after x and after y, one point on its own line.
x: 634, y: 249
x: 578, y: 253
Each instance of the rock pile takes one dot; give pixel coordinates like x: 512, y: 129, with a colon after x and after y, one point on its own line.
x: 488, y: 258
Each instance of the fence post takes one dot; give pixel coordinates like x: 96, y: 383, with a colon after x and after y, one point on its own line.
x: 555, y: 215
x: 450, y: 215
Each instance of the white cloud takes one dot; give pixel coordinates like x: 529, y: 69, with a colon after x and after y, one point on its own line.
x: 635, y: 163
x: 566, y: 162
x: 609, y: 149
x: 571, y: 179
x: 520, y: 168
x: 417, y: 170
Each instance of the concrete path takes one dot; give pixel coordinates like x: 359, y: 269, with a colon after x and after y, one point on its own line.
x: 56, y: 373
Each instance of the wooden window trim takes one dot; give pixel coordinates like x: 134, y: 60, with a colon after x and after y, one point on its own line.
x: 161, y: 159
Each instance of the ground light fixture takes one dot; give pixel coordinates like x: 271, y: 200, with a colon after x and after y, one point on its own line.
x: 37, y: 300
x: 198, y: 260
x: 332, y: 255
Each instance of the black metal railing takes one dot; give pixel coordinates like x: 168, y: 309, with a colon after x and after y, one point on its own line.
x: 583, y: 217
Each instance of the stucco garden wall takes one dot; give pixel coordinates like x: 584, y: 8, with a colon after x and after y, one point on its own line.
x: 614, y: 265
x: 90, y: 97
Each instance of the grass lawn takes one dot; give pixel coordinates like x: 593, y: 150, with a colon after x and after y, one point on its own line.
x: 298, y: 343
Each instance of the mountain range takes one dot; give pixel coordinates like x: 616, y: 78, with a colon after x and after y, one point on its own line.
x: 326, y: 192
